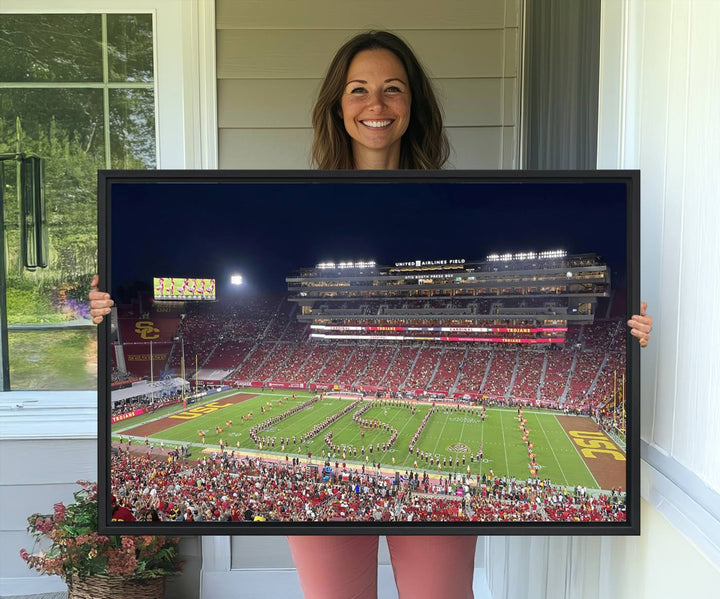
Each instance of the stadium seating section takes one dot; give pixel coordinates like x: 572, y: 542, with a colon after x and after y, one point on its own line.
x: 261, y: 341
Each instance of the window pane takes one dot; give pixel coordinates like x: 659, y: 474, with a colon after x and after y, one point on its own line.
x: 130, y: 48
x: 132, y: 128
x: 53, y: 359
x: 65, y: 127
x: 50, y: 48
x: 51, y: 119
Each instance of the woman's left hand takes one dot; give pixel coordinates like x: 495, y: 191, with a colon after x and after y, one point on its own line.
x: 100, y: 302
x: 641, y: 325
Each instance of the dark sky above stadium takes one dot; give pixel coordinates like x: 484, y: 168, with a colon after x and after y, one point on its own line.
x: 265, y: 231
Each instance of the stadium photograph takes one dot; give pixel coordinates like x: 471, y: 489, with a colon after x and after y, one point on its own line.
x: 373, y: 353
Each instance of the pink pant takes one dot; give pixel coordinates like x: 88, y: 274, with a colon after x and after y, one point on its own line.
x: 336, y: 567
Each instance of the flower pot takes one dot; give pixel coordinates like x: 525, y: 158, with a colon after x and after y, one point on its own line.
x: 116, y: 587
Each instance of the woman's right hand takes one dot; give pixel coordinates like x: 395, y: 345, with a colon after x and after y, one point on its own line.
x: 641, y: 325
x: 100, y: 302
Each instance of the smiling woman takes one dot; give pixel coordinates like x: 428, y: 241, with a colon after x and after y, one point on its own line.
x: 375, y: 108
x: 363, y: 109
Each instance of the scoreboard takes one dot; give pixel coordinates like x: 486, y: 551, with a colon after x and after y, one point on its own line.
x: 180, y: 289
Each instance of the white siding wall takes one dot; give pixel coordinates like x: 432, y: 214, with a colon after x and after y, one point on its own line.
x: 659, y: 90
x: 38, y: 469
x: 272, y: 56
x: 672, y: 133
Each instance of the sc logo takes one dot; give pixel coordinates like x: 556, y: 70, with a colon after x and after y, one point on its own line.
x: 146, y: 330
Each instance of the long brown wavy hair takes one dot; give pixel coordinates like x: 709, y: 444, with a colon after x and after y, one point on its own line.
x: 423, y: 146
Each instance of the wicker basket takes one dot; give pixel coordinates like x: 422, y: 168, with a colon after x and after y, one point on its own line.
x: 116, y: 587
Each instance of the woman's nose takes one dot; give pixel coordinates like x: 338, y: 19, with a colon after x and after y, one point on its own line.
x: 376, y: 99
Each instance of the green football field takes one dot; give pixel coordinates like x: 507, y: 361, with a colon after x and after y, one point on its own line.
x: 449, y: 434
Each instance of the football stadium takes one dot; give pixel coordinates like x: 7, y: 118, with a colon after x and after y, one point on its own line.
x: 451, y: 390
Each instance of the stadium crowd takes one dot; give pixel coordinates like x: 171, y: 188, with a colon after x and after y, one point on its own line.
x: 262, y: 343
x: 226, y: 487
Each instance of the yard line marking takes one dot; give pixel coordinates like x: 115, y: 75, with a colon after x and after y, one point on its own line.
x: 507, y: 464
x: 482, y: 443
x: 557, y: 461
x: 439, y: 435
x: 462, y: 428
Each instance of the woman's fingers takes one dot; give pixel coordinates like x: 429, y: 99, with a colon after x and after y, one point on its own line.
x: 100, y: 302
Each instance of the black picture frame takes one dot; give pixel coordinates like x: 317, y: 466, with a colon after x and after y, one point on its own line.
x: 569, y: 207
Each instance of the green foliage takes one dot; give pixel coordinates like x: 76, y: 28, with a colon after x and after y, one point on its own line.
x: 54, y: 359
x: 28, y: 303
x: 77, y: 550
x: 50, y: 47
x: 66, y: 127
x: 70, y: 194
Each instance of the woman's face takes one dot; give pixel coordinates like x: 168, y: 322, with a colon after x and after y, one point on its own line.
x: 375, y: 104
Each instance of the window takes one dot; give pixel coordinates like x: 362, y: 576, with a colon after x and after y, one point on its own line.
x: 77, y: 90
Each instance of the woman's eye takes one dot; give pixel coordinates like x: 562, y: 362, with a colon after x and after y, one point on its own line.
x: 357, y: 90
x: 393, y: 89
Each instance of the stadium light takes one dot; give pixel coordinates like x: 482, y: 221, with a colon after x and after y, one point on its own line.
x: 346, y: 264
x: 526, y: 256
x: 553, y: 254
x: 236, y: 280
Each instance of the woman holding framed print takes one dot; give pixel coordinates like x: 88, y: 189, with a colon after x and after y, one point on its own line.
x: 376, y: 109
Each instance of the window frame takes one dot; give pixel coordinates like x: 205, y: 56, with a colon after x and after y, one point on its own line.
x: 186, y: 130
x: 185, y: 97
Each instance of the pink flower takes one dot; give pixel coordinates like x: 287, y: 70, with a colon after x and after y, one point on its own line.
x: 54, y: 565
x: 121, y: 562
x: 72, y: 554
x: 128, y: 543
x: 59, y: 512
x: 43, y: 526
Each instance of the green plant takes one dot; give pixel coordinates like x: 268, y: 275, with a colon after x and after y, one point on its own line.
x: 77, y: 550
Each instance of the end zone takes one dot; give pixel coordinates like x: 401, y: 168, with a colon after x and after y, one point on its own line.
x: 605, y: 460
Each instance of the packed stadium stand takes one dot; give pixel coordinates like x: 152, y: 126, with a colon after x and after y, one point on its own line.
x: 474, y: 370
x: 335, y: 364
x: 378, y: 366
x: 448, y: 369
x: 229, y: 488
x: 559, y: 365
x: 542, y: 329
x: 529, y: 374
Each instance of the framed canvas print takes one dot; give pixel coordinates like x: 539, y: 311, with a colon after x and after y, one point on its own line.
x: 386, y: 352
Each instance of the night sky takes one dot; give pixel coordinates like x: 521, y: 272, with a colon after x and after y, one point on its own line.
x: 265, y: 231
